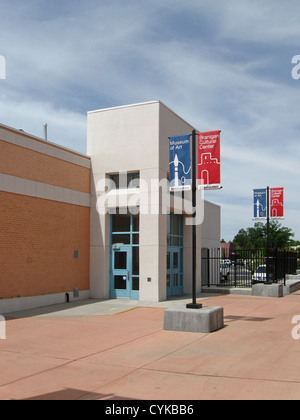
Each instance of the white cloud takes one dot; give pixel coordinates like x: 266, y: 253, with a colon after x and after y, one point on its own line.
x: 65, y: 127
x: 220, y: 65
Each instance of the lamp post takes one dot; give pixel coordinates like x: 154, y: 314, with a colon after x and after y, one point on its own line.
x: 194, y: 304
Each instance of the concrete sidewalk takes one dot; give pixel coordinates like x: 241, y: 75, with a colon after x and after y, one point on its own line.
x: 112, y: 350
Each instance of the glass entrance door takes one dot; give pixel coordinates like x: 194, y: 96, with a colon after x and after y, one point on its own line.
x: 174, y: 271
x: 174, y: 254
x: 125, y: 267
x: 124, y: 281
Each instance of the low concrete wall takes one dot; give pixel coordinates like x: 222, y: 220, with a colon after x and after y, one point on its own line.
x: 22, y: 304
x: 267, y: 290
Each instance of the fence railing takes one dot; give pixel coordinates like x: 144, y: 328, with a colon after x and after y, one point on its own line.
x: 245, y: 267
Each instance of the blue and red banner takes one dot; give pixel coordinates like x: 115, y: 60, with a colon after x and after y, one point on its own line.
x: 260, y: 203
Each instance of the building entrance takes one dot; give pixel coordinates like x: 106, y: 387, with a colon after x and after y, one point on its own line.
x: 175, y: 255
x: 124, y: 277
x: 124, y: 282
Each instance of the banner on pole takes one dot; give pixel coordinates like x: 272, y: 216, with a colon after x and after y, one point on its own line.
x: 209, y: 173
x: 276, y: 203
x: 260, y: 203
x: 180, y: 163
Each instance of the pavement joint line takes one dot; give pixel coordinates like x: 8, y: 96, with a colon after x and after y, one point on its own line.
x: 70, y: 361
x: 135, y: 369
x: 222, y: 376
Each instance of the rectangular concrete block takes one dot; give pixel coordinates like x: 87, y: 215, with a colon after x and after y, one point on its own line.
x: 205, y: 320
x: 267, y: 290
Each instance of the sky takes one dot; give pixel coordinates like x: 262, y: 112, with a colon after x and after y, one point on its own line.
x: 219, y: 64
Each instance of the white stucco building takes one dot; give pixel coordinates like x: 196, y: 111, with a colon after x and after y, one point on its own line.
x: 140, y: 239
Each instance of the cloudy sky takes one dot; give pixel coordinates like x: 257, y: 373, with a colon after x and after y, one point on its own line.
x: 219, y: 64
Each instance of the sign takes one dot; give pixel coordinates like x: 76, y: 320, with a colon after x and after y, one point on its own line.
x: 260, y: 203
x: 180, y: 163
x: 276, y: 203
x: 209, y: 173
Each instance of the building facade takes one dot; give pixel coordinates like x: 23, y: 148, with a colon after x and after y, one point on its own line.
x: 103, y: 225
x: 141, y: 240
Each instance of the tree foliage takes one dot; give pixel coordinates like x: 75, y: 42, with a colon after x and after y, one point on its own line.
x: 256, y: 237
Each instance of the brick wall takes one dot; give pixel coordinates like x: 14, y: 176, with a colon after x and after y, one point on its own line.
x: 38, y: 236
x: 37, y: 239
x: 26, y: 163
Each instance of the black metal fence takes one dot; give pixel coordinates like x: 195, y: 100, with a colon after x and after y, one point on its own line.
x: 245, y: 267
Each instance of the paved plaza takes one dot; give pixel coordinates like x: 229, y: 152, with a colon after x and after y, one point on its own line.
x: 118, y: 350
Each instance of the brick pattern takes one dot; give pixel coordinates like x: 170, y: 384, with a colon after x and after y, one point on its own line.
x: 29, y: 164
x: 37, y: 239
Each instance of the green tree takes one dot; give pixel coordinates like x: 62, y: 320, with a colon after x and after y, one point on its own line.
x: 242, y: 240
x: 256, y: 237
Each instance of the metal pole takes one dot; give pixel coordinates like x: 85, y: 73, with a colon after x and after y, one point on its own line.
x: 268, y: 236
x: 194, y: 304
x: 46, y: 131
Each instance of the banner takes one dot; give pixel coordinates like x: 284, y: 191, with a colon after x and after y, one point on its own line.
x: 180, y: 163
x: 276, y: 203
x: 209, y: 173
x: 260, y: 203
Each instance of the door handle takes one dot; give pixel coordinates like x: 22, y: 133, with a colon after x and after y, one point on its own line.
x: 128, y: 274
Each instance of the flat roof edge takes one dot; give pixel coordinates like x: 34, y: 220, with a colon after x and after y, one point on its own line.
x: 123, y: 106
x: 142, y: 104
x: 41, y: 140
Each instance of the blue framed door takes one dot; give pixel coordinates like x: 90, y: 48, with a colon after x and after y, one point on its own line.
x: 174, y: 271
x: 124, y: 281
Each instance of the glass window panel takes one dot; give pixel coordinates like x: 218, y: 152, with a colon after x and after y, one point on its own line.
x: 120, y: 282
x: 135, y: 238
x: 135, y: 222
x: 168, y: 260
x: 181, y: 260
x: 123, y: 180
x: 175, y: 224
x: 115, y: 181
x: 175, y: 260
x: 135, y: 283
x: 175, y: 280
x: 134, y: 180
x: 121, y: 239
x: 180, y: 280
x: 168, y: 280
x: 135, y: 261
x: 120, y: 260
x: 175, y: 241
x: 121, y: 222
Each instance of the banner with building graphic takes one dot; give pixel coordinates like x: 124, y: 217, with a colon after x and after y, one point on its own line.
x: 260, y: 203
x: 276, y: 203
x: 209, y: 165
x: 180, y: 162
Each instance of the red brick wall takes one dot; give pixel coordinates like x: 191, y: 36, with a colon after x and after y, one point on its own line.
x: 38, y: 236
x: 26, y: 163
x: 37, y: 239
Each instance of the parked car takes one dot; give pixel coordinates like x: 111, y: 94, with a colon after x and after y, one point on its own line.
x: 234, y: 271
x: 225, y: 266
x: 260, y: 274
